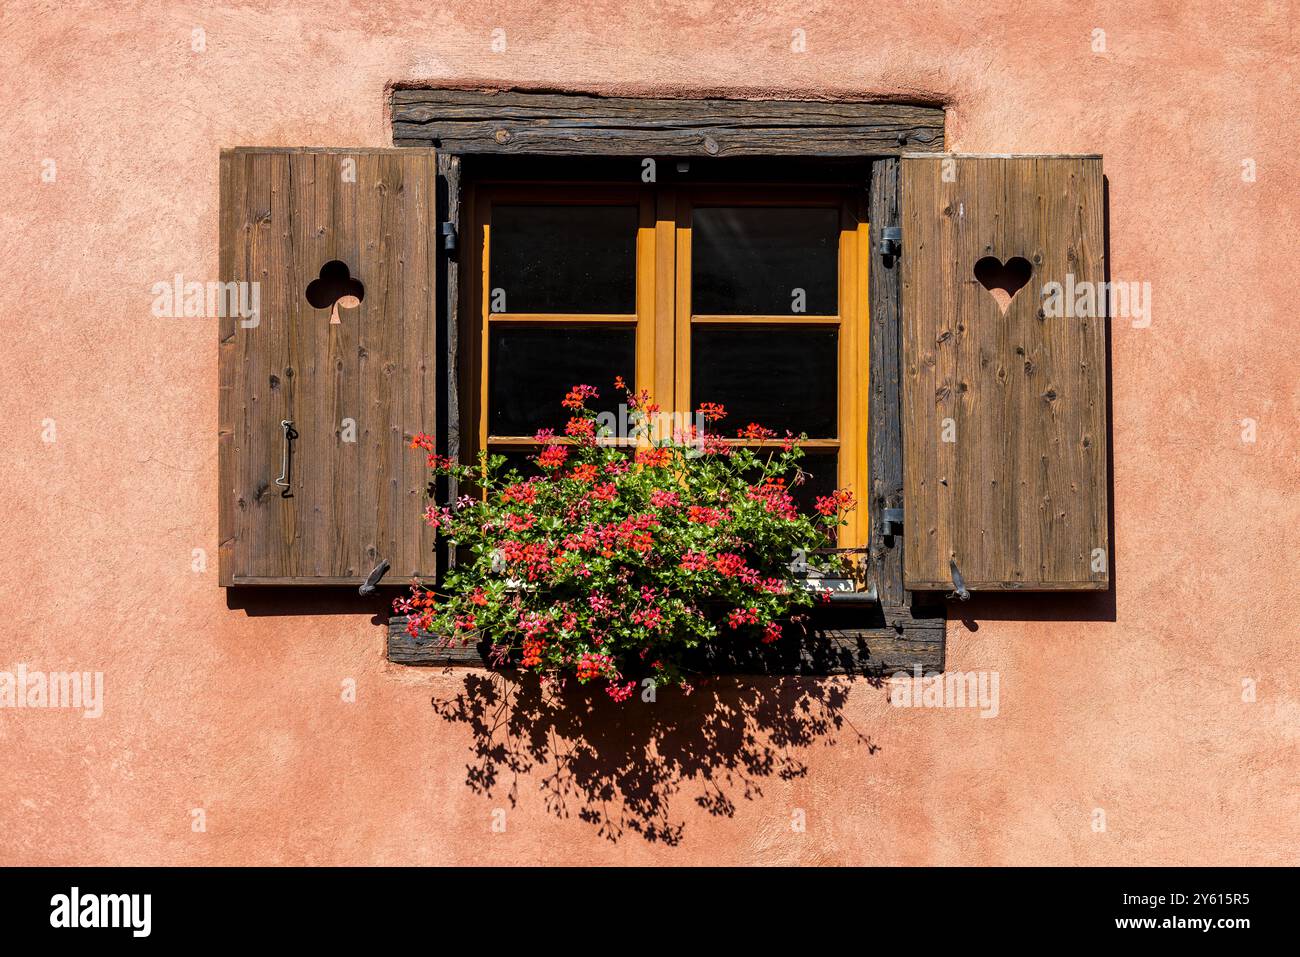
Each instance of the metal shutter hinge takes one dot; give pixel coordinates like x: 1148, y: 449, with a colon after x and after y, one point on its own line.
x: 448, y: 236
x: 891, y: 240
x: 890, y: 517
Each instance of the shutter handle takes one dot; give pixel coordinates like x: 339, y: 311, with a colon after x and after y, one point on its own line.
x: 290, y: 433
x: 372, y: 582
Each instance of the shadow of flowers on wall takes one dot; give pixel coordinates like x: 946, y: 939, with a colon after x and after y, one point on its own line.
x: 625, y: 767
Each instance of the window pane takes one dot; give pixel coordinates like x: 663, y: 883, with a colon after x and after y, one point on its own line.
x: 781, y: 378
x: 821, y: 477
x: 821, y: 473
x: 531, y: 369
x: 519, y: 459
x: 563, y: 259
x: 750, y: 261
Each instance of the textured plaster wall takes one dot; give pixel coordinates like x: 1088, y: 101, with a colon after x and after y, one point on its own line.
x: 237, y: 710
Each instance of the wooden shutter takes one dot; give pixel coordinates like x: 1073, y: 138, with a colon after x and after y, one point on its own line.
x: 355, y: 390
x: 1003, y: 413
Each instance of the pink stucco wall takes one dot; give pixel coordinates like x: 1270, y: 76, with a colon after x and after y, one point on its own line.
x: 237, y: 710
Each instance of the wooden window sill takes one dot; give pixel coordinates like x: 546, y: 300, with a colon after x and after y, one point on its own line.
x: 849, y: 636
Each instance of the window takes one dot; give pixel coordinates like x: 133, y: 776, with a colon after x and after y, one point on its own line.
x: 690, y: 282
x: 749, y: 295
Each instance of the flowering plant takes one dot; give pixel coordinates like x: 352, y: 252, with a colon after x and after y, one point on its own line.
x: 616, y: 560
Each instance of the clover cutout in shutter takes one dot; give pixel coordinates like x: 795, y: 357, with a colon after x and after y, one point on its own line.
x: 335, y: 288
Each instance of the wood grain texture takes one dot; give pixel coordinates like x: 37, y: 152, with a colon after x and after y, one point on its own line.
x: 232, y: 223
x: 447, y: 346
x: 465, y: 121
x: 873, y: 642
x: 1019, y: 498
x: 885, y: 449
x: 370, y: 377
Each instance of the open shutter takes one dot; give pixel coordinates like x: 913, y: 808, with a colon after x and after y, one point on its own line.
x: 356, y: 376
x: 1004, y: 403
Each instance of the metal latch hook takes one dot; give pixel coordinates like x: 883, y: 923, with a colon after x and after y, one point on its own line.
x: 290, y: 433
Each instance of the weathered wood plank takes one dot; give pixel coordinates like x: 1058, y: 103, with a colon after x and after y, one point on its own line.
x: 885, y: 449
x: 708, y: 141
x: 449, y: 329
x: 560, y: 124
x: 1004, y: 406
x: 233, y: 192
x: 425, y: 105
x: 858, y: 641
x: 319, y: 481
x: 418, y: 386
x: 277, y: 356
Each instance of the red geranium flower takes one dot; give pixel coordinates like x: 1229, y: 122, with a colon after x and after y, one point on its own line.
x: 654, y: 457
x: 755, y: 433
x: 553, y: 456
x: 578, y: 396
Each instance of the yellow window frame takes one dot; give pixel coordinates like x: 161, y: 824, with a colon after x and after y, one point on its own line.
x: 663, y: 318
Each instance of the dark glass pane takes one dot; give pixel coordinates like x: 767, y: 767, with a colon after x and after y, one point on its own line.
x: 519, y: 459
x: 821, y: 476
x: 531, y: 369
x: 563, y: 259
x: 821, y: 473
x: 749, y: 261
x: 779, y: 377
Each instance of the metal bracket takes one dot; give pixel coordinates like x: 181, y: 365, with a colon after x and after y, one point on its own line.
x: 868, y: 597
x: 448, y: 236
x: 958, y: 583
x: 889, y: 517
x: 372, y: 581
x: 891, y: 241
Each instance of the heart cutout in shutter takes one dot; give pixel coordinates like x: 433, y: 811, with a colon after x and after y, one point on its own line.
x: 1003, y: 280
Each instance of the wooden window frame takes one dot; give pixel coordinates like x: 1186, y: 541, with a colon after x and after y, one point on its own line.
x: 663, y: 318
x: 898, y: 629
x: 850, y: 320
x: 644, y: 319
